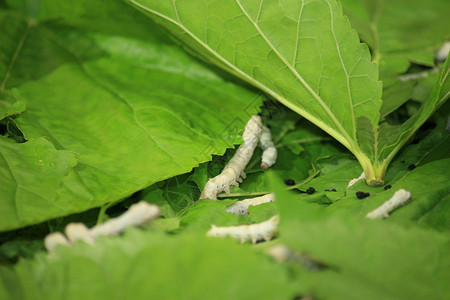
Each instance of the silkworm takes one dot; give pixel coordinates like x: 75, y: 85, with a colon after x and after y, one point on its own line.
x: 442, y: 53
x: 54, y: 239
x: 244, y: 233
x: 241, y: 207
x: 138, y: 214
x: 234, y: 170
x: 269, y: 156
x: 78, y: 231
x: 355, y: 180
x: 400, y: 197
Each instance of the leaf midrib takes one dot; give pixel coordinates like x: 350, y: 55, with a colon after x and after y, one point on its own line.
x: 341, y: 136
x: 295, y: 73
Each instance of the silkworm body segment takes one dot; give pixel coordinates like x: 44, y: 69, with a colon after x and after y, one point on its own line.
x: 355, y: 180
x: 400, y: 197
x: 270, y: 153
x: 241, y: 207
x: 234, y: 170
x: 244, y: 233
x: 138, y: 214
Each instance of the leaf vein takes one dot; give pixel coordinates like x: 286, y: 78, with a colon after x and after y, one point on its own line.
x: 341, y: 135
x: 345, y: 71
x: 259, y: 10
x: 294, y: 60
x: 14, y: 58
x: 297, y: 75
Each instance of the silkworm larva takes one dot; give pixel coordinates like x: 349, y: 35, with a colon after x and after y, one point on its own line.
x: 269, y: 156
x: 400, y: 197
x: 442, y: 53
x: 138, y: 214
x: 234, y: 170
x: 244, y: 233
x: 241, y: 207
x: 78, y: 231
x: 355, y: 180
x: 54, y: 239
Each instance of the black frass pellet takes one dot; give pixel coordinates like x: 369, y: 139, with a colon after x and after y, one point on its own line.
x: 362, y: 195
x: 289, y: 182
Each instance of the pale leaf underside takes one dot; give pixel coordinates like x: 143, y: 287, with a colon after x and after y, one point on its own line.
x: 302, y: 53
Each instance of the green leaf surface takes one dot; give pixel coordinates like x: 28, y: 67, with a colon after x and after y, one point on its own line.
x: 117, y: 111
x: 11, y: 108
x: 428, y: 181
x: 392, y: 138
x: 22, y: 197
x: 366, y: 259
x: 400, y: 32
x: 303, y: 54
x: 204, y: 213
x: 143, y: 265
x: 424, y: 86
x: 396, y: 95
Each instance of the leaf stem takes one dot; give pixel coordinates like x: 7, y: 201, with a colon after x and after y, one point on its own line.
x: 374, y: 172
x: 314, y: 174
x: 373, y: 29
x: 102, y: 213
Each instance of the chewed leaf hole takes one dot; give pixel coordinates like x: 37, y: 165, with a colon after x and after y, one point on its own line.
x: 10, y: 130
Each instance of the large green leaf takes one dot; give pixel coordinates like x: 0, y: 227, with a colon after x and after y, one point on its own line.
x: 427, y: 181
x: 365, y: 259
x: 392, y: 138
x: 110, y: 109
x: 149, y: 265
x: 303, y: 53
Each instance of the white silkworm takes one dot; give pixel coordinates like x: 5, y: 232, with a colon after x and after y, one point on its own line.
x: 442, y: 53
x: 78, y: 231
x: 241, y: 207
x: 355, y: 180
x: 400, y: 197
x: 255, y: 232
x: 54, y: 239
x: 280, y: 253
x: 234, y: 170
x: 270, y: 153
x: 138, y: 214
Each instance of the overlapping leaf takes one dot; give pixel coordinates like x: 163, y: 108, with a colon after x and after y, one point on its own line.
x: 143, y: 265
x: 110, y: 109
x: 302, y: 53
x: 421, y: 168
x: 400, y: 32
x: 364, y: 258
x: 306, y: 55
x: 392, y: 138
